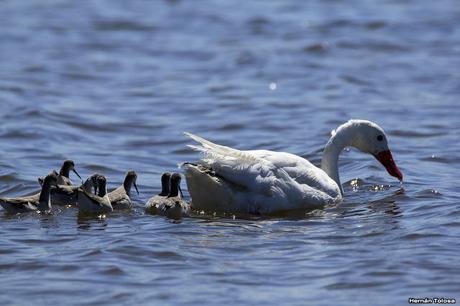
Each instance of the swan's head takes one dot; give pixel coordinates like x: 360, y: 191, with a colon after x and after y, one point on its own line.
x: 370, y: 138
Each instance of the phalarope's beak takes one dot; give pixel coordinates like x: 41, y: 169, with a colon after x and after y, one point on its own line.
x: 181, y: 194
x: 75, y: 171
x: 135, y: 186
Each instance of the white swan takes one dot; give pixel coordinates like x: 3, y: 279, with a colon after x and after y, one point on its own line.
x: 264, y: 182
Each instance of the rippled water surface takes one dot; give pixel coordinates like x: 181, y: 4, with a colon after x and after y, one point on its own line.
x: 113, y: 84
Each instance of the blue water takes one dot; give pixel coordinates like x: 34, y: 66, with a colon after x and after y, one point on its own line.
x: 113, y: 84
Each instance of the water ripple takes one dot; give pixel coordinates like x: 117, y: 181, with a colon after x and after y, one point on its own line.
x: 116, y: 88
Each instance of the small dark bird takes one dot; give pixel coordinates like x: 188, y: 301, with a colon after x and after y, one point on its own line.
x: 119, y: 198
x: 90, y: 203
x: 38, y: 202
x: 173, y: 205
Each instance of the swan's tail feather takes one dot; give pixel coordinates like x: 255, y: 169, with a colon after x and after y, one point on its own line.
x: 201, y: 140
x: 220, y: 152
x: 196, y: 148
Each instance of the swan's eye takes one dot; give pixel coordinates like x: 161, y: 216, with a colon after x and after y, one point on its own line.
x: 380, y: 138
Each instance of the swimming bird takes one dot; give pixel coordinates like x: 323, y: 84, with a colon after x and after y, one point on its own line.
x: 38, y: 202
x: 90, y: 203
x: 153, y: 202
x: 64, y: 173
x: 119, y: 198
x: 172, y: 206
x: 265, y: 182
x: 67, y: 194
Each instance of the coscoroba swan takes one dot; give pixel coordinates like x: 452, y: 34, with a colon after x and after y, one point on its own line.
x: 264, y: 182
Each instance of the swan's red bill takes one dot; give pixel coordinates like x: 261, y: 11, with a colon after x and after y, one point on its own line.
x: 386, y: 159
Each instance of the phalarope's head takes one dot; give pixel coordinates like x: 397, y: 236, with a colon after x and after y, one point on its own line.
x: 130, y: 179
x: 101, y: 185
x: 175, y: 185
x: 50, y: 179
x: 165, y: 178
x: 67, y: 166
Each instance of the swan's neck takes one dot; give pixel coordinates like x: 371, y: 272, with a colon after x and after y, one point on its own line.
x: 335, y: 145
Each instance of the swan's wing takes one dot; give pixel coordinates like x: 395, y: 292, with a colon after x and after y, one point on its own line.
x: 256, y: 179
x: 261, y: 166
x: 300, y: 170
x: 241, y: 168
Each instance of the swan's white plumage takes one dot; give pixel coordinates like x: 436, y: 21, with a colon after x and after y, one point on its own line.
x: 256, y: 181
x: 262, y: 181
